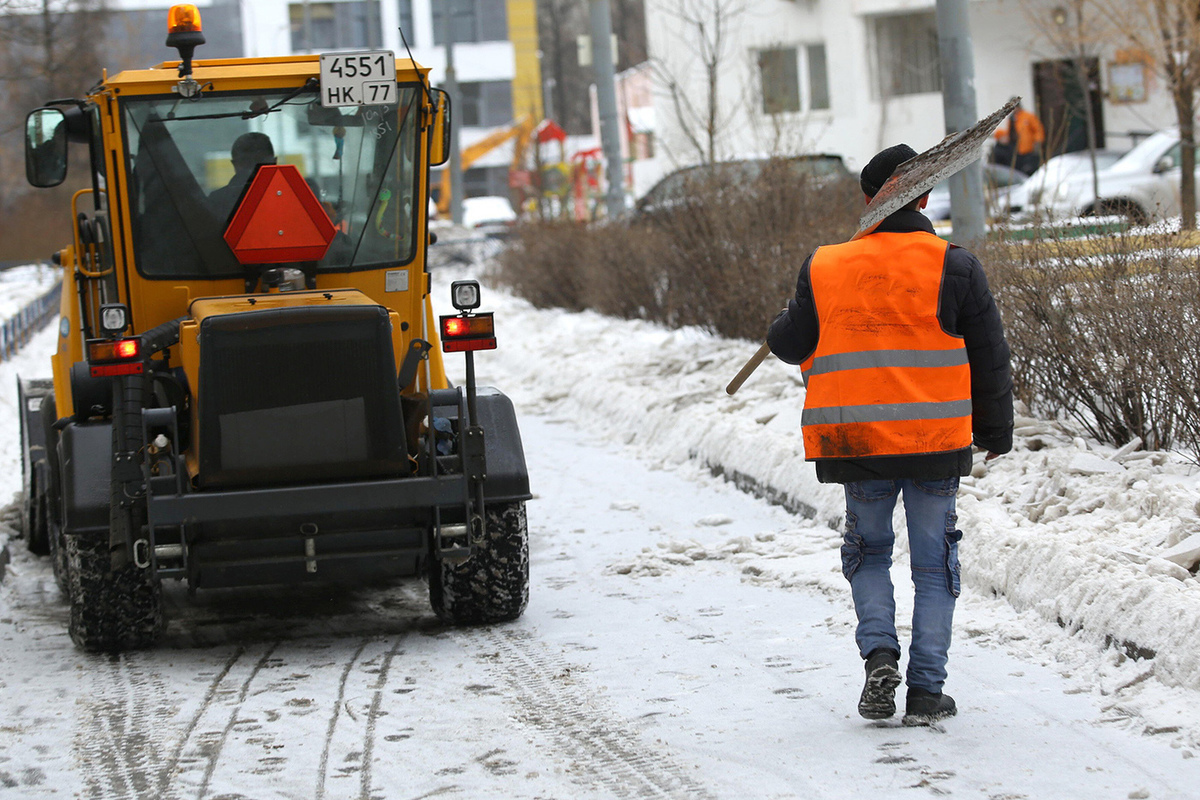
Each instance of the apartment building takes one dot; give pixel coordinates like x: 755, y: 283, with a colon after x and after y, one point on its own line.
x: 853, y: 76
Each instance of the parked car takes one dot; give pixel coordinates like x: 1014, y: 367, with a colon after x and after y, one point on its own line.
x: 678, y: 187
x: 1141, y: 185
x: 491, y: 212
x: 999, y: 180
x: 1046, y: 180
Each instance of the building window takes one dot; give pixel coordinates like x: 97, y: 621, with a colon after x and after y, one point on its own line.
x: 334, y: 26
x: 484, y: 104
x: 780, y: 73
x: 818, y: 78
x: 780, y: 80
x: 906, y: 54
x: 473, y: 20
x: 406, y: 21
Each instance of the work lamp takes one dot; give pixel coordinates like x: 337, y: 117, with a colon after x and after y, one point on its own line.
x: 114, y: 318
x: 465, y: 295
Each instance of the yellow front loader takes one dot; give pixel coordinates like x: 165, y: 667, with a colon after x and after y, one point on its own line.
x: 249, y: 387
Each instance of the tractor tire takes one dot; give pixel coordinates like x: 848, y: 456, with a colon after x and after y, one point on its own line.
x: 111, y: 609
x: 58, y: 561
x: 493, y: 584
x: 33, y: 519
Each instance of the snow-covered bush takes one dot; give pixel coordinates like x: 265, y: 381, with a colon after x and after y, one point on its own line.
x: 1105, y: 330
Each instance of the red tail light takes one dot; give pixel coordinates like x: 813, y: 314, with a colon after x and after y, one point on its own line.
x: 476, y: 332
x: 115, y: 357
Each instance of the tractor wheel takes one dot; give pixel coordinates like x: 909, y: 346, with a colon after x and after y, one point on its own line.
x: 111, y: 609
x: 493, y: 584
x: 58, y: 560
x: 33, y: 518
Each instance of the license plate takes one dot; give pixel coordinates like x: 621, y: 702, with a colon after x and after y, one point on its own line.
x: 358, y: 79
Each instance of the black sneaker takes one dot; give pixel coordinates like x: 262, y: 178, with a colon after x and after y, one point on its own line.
x: 926, y: 708
x: 878, y: 700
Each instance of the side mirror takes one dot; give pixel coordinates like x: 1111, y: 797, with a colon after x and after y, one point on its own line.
x: 1164, y: 164
x: 46, y: 147
x: 439, y: 131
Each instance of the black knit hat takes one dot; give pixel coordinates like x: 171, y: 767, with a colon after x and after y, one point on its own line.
x: 881, y: 167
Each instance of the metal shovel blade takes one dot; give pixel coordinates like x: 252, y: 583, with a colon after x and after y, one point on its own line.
x: 925, y: 170
x: 911, y: 179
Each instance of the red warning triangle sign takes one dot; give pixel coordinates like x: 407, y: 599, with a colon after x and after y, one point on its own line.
x: 279, y: 219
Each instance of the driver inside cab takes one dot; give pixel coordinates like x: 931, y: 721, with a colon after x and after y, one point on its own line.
x: 248, y: 152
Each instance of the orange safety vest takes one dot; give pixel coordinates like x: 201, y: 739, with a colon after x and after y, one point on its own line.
x: 885, y: 379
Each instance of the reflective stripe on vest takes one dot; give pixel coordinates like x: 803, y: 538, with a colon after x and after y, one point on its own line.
x: 885, y: 379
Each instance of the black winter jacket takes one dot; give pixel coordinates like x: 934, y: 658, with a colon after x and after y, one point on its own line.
x: 966, y: 309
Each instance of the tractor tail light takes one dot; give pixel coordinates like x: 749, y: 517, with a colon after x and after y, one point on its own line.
x: 115, y: 357
x: 476, y: 332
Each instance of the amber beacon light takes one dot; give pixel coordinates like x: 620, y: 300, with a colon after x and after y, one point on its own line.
x: 184, y: 19
x: 185, y: 34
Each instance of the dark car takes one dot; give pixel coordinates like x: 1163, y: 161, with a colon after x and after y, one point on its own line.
x: 683, y: 186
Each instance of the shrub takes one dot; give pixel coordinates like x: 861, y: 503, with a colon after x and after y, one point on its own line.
x: 723, y: 258
x: 1105, y: 331
x: 1102, y: 330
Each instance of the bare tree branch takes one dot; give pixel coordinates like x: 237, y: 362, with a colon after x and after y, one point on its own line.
x: 703, y: 47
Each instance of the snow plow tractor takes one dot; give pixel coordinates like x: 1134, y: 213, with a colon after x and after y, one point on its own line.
x: 249, y: 385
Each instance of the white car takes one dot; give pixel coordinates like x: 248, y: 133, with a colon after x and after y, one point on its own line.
x: 999, y: 182
x: 1141, y: 185
x: 1046, y: 180
x: 487, y: 212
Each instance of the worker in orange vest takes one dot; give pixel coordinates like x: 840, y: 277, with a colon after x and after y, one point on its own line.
x: 905, y: 367
x: 1019, y: 141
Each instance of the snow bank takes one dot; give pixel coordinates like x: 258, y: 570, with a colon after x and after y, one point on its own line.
x: 21, y: 285
x: 1062, y: 527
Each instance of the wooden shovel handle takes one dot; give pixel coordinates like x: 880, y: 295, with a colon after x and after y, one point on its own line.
x: 745, y: 371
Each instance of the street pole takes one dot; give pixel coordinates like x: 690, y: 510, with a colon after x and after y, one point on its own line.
x: 606, y: 99
x: 455, y: 165
x: 958, y: 107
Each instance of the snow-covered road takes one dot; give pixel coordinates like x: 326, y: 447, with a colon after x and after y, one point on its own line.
x: 698, y: 682
x: 683, y: 640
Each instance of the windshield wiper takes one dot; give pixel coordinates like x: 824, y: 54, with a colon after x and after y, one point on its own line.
x: 310, y: 85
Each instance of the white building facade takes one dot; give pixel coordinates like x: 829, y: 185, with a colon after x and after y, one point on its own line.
x: 854, y: 76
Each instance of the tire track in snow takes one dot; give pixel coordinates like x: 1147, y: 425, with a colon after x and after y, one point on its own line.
x: 373, y: 717
x: 202, y: 742
x: 323, y: 774
x: 215, y: 754
x: 164, y: 780
x: 115, y: 743
x: 604, y: 747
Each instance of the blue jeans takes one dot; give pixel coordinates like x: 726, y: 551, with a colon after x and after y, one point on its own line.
x: 933, y: 547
